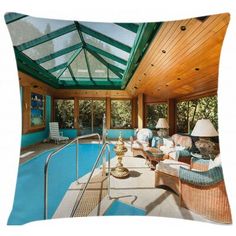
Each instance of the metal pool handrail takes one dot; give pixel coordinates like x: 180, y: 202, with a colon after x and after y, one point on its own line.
x: 101, y: 154
x: 54, y: 153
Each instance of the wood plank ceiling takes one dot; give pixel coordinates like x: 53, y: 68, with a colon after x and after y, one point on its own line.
x: 183, y: 59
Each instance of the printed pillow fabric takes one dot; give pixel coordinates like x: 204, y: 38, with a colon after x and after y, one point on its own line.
x: 72, y: 73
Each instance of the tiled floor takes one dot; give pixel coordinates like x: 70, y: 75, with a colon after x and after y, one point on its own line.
x: 138, y: 189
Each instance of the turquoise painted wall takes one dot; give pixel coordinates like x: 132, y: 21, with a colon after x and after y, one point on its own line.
x: 71, y: 133
x: 36, y: 137
x: 125, y: 133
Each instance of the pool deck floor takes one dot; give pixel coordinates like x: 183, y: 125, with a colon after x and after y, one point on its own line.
x: 137, y: 190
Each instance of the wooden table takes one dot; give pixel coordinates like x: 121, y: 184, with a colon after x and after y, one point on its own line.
x: 154, y: 156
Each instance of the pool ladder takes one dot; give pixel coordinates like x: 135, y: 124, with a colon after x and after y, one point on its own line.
x: 101, y: 154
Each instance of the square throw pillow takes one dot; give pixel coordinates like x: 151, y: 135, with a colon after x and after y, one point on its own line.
x: 86, y: 86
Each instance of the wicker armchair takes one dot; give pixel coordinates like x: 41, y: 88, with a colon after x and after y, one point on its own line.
x: 141, y: 142
x: 200, y: 186
x: 204, y: 192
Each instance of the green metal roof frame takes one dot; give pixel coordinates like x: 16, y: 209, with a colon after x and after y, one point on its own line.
x: 11, y: 17
x: 144, y: 34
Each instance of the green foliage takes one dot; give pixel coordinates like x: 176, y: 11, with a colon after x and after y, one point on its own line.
x: 155, y: 111
x: 121, y: 114
x: 189, y: 112
x: 99, y: 109
x: 64, y: 113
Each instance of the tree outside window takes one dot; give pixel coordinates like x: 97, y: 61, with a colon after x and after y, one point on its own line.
x: 154, y: 111
x: 121, y: 114
x: 64, y: 113
x: 189, y: 112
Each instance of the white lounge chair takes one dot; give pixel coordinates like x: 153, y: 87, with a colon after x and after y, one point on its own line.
x: 55, y: 134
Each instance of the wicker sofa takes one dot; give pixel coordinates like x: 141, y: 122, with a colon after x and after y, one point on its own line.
x: 200, y: 186
x: 178, y: 147
x: 204, y: 192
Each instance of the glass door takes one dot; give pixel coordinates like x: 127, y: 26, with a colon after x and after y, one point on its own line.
x: 99, y: 109
x: 91, y: 115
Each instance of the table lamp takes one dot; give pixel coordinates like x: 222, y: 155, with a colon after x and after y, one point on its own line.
x: 204, y: 129
x: 162, y: 126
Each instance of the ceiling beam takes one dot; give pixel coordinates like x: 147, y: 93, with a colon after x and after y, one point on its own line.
x: 98, y: 79
x: 114, y: 69
x: 25, y: 64
x: 106, y: 54
x: 59, y: 53
x: 129, y: 26
x: 56, y: 68
x: 87, y: 63
x: 105, y: 38
x: 12, y: 17
x: 83, y: 84
x: 145, y: 35
x: 72, y: 74
x: 70, y: 61
x: 84, y: 45
x: 46, y: 37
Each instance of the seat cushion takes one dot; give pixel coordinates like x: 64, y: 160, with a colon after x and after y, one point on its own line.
x: 171, y: 167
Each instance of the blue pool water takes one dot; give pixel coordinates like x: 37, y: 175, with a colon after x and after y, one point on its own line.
x: 28, y: 201
x: 119, y: 208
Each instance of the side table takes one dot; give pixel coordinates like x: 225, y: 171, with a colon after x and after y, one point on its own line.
x: 154, y: 156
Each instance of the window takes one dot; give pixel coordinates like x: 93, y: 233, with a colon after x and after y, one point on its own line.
x: 154, y: 111
x: 91, y: 116
x: 64, y: 113
x: 189, y: 112
x: 37, y: 110
x: 121, y: 114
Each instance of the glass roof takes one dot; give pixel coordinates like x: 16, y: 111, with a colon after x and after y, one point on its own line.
x: 105, y: 47
x: 97, y: 69
x: 115, y: 63
x: 53, y: 46
x: 114, y: 31
x: 33, y: 28
x: 57, y: 61
x: 79, y: 66
x: 71, y: 50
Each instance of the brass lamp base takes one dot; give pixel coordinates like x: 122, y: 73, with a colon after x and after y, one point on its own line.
x: 120, y: 172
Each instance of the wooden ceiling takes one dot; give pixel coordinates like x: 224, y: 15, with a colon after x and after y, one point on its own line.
x: 182, y: 63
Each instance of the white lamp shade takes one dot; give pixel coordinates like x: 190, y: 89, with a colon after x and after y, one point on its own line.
x: 162, y: 124
x: 204, y: 128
